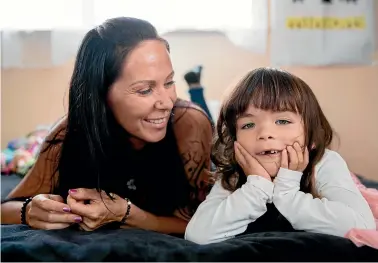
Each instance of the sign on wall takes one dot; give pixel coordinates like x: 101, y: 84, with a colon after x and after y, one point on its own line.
x: 322, y: 32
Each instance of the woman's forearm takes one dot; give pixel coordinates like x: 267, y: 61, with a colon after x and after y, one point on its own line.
x: 168, y: 225
x: 11, y: 212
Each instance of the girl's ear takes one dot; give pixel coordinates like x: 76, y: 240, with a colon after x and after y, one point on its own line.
x: 313, y: 146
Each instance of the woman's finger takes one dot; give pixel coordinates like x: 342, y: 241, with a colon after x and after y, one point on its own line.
x: 84, y: 227
x: 47, y: 203
x: 84, y: 194
x: 57, y: 198
x: 71, y: 201
x: 84, y: 210
x: 54, y: 217
x: 38, y: 214
x: 48, y: 226
x: 90, y: 225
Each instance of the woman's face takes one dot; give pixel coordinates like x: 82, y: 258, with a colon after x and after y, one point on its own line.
x: 143, y: 97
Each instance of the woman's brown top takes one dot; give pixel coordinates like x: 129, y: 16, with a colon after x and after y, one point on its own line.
x: 193, y: 132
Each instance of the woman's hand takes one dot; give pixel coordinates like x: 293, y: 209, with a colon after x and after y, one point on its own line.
x: 47, y: 211
x: 294, y: 158
x: 248, y: 163
x: 96, y: 209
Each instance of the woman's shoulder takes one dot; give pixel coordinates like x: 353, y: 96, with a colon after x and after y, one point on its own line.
x: 58, y: 129
x: 186, y: 112
x: 193, y: 130
x: 39, y: 178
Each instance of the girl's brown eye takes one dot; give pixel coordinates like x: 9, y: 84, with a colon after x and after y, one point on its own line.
x: 248, y: 126
x: 282, y: 122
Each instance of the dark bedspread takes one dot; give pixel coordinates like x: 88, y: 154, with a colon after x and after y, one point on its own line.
x: 19, y: 243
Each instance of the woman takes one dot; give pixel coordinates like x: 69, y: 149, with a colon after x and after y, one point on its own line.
x: 129, y: 152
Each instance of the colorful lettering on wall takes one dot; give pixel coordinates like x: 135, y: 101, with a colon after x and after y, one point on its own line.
x: 349, y: 23
x: 328, y: 1
x: 340, y: 23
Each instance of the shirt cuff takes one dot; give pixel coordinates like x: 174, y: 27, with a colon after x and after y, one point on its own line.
x: 263, y: 184
x: 288, y: 175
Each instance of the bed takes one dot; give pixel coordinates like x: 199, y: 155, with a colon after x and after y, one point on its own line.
x: 20, y: 243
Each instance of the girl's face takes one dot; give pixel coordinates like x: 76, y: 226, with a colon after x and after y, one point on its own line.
x: 264, y: 134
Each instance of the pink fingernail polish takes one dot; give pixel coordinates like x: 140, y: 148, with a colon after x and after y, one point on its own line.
x: 73, y: 190
x: 66, y: 209
x: 78, y: 219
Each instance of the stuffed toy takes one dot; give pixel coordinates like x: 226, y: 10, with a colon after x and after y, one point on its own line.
x: 21, y: 153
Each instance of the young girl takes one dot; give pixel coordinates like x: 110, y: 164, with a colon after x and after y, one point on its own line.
x: 275, y: 171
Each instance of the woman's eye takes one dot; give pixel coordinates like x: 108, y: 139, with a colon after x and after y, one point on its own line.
x: 145, y: 91
x: 169, y: 84
x: 282, y: 122
x: 248, y: 126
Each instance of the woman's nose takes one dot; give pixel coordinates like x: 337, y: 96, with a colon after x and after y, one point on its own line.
x: 164, y: 100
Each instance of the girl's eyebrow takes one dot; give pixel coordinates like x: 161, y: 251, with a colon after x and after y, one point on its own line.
x: 245, y: 115
x: 284, y: 112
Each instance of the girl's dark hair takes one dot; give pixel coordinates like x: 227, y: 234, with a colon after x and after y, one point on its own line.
x: 275, y: 90
x: 96, y: 151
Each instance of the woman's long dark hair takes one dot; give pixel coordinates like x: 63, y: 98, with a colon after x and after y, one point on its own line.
x: 96, y: 152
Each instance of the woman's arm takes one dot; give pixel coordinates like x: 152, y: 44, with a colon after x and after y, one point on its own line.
x: 341, y: 208
x: 102, y: 210
x: 11, y: 212
x: 37, y: 181
x: 194, y: 133
x: 224, y: 215
x: 141, y: 219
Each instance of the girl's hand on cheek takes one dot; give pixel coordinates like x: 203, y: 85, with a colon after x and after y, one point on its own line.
x: 248, y: 163
x: 293, y: 158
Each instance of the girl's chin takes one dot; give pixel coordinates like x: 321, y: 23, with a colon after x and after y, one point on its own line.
x: 272, y: 171
x: 271, y: 166
x: 273, y: 175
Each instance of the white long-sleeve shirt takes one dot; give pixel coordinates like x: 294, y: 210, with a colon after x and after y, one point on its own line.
x: 225, y: 214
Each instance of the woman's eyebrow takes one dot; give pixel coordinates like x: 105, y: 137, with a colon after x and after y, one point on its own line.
x: 151, y: 82
x: 171, y: 74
